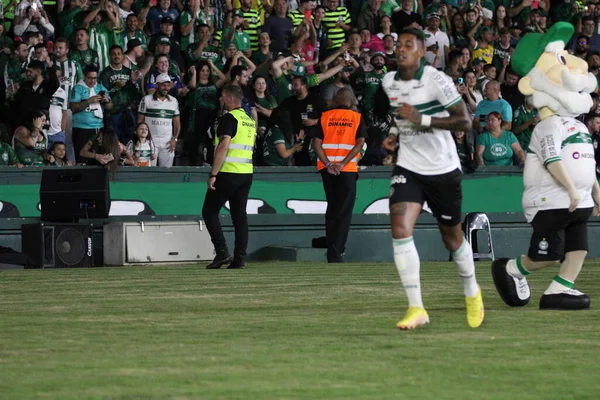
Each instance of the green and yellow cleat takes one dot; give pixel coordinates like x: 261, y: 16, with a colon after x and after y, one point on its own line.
x: 475, y: 311
x: 415, y: 317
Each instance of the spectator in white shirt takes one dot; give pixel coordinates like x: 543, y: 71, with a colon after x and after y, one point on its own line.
x: 32, y: 18
x: 436, y: 41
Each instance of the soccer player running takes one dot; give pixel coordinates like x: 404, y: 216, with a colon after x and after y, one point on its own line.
x: 426, y: 107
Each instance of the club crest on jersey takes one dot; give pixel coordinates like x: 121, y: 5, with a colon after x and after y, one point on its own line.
x: 543, y: 247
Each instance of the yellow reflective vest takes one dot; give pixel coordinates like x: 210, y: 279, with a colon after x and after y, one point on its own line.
x: 241, y: 147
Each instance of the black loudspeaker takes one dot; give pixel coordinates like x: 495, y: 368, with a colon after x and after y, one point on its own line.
x: 58, y: 245
x: 69, y: 194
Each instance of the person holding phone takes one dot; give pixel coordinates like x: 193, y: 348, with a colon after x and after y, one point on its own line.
x: 338, y: 22
x: 105, y: 149
x: 304, y: 11
x: 88, y: 101
x: 251, y: 23
x: 437, y: 43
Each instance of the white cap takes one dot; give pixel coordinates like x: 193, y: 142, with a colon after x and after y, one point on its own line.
x: 162, y: 78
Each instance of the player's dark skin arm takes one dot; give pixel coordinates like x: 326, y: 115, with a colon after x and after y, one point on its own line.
x: 458, y: 120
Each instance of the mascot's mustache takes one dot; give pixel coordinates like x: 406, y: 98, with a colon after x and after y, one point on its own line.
x: 566, y: 100
x: 578, y: 83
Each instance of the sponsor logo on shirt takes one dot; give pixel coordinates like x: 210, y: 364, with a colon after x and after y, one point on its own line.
x: 577, y: 155
x: 498, y: 149
x: 398, y: 179
x: 411, y: 132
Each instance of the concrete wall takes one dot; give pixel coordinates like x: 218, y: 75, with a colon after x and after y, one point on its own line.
x: 494, y: 191
x: 369, y: 239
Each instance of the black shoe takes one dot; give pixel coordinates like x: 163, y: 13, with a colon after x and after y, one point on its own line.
x: 237, y: 264
x: 219, y: 261
x: 568, y: 300
x: 514, y: 292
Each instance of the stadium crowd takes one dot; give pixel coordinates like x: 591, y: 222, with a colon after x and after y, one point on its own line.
x: 138, y: 82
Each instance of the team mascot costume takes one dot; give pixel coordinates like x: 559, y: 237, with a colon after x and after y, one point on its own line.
x: 560, y: 186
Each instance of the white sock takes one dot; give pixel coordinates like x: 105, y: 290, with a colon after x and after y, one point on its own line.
x: 559, y: 285
x: 512, y: 267
x: 408, y: 265
x: 463, y: 258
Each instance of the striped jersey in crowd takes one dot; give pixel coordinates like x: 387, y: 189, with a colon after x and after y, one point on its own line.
x: 100, y: 40
x: 58, y: 105
x: 220, y: 11
x: 336, y: 35
x: 84, y: 57
x: 184, y: 19
x: 252, y: 18
x: 296, y: 16
x: 70, y: 73
x: 124, y: 38
x: 159, y: 115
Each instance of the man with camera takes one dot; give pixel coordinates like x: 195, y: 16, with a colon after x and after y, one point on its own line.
x: 88, y: 100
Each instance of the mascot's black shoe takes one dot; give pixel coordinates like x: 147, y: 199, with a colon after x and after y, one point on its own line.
x: 219, y: 261
x: 515, y: 292
x: 570, y: 299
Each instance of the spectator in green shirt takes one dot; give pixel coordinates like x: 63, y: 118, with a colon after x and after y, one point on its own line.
x: 495, y: 146
x: 277, y: 146
x: 69, y: 19
x: 201, y: 49
x: 8, y: 156
x: 118, y: 80
x: 265, y: 103
x: 235, y: 34
x: 263, y: 55
x: 132, y: 31
x: 204, y: 106
x: 525, y: 119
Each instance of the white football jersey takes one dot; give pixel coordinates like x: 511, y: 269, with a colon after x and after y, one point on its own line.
x: 159, y: 114
x: 424, y: 150
x: 558, y: 139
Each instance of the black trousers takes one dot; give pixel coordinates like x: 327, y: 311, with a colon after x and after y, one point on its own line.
x: 80, y: 138
x: 197, y: 140
x: 340, y: 191
x: 235, y: 189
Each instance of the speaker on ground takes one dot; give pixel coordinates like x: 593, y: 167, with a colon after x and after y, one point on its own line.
x: 55, y: 245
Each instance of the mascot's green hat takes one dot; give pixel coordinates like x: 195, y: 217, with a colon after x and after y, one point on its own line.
x: 532, y: 46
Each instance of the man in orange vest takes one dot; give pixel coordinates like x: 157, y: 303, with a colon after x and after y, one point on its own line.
x: 338, y: 140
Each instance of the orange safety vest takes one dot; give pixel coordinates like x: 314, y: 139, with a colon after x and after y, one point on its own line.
x: 339, y: 130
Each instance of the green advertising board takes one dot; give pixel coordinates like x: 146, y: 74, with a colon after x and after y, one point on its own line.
x: 181, y: 191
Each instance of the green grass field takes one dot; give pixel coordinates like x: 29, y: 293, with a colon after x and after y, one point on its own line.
x: 285, y: 331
